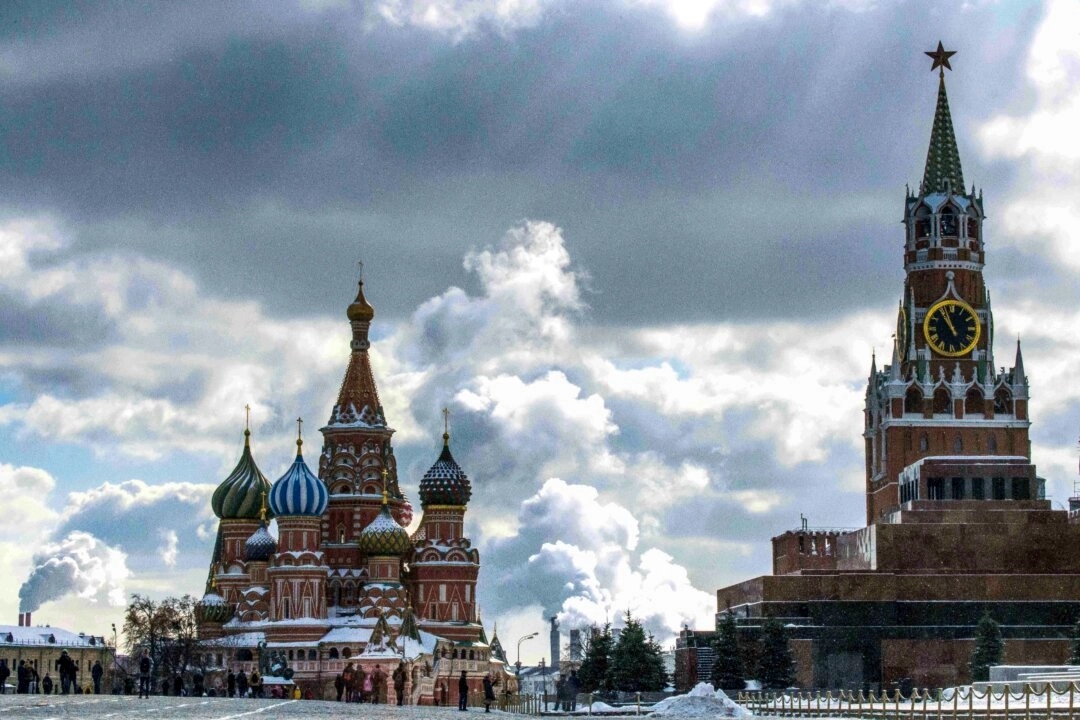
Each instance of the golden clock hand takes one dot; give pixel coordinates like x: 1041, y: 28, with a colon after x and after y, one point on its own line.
x: 945, y: 317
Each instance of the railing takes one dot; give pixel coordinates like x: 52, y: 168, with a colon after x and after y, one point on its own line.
x: 1035, y: 700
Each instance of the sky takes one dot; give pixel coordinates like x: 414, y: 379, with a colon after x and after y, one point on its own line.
x: 643, y: 250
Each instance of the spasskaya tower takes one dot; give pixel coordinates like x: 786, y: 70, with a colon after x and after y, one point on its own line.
x: 941, y: 399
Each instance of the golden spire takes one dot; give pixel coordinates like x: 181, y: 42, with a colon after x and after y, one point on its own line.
x: 446, y: 427
x: 262, y: 508
x: 247, y: 426
x: 299, y: 434
x: 385, y: 494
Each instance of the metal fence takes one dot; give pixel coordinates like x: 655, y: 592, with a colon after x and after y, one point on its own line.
x: 1034, y: 700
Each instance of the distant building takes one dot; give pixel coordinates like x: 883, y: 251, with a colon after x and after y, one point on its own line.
x: 957, y: 523
x: 40, y: 648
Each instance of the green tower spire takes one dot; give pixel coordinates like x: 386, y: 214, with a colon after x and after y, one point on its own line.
x: 943, y: 169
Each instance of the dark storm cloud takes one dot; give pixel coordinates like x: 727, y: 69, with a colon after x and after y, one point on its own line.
x: 748, y: 163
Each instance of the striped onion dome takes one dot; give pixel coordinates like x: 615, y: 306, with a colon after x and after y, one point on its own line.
x: 445, y: 483
x: 298, y: 491
x: 384, y: 536
x: 239, y: 496
x: 213, y: 608
x: 260, y: 546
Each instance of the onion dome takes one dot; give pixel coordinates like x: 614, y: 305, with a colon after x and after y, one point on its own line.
x: 213, y: 608
x: 239, y: 496
x: 445, y: 483
x: 383, y: 535
x: 298, y: 491
x: 260, y: 546
x: 361, y: 309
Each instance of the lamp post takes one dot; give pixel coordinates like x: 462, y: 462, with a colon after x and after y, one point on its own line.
x: 115, y: 661
x: 543, y: 683
x: 522, y: 639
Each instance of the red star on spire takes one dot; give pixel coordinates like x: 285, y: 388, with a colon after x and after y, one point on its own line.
x: 941, y: 57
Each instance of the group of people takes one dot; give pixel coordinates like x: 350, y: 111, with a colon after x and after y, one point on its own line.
x: 566, y: 692
x: 28, y: 681
x: 354, y: 684
x: 463, y: 691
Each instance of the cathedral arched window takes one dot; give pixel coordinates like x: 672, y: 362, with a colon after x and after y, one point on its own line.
x: 922, y: 228
x: 244, y: 655
x: 942, y: 402
x: 958, y: 444
x: 991, y: 443
x: 333, y: 653
x: 973, y: 231
x: 346, y: 653
x: 924, y: 443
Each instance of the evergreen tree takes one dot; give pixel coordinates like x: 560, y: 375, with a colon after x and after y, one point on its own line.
x: 637, y: 663
x: 1074, y: 659
x: 989, y: 648
x: 595, y: 671
x: 776, y: 666
x: 727, y: 669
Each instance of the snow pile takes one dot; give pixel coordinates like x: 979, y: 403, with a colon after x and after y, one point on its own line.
x: 602, y: 707
x: 700, y: 702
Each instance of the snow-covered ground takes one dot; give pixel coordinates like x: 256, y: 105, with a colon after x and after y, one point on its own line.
x: 701, y: 702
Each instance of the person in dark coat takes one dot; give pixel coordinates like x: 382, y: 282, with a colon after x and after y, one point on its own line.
x: 66, y: 667
x: 399, y: 683
x: 463, y: 691
x: 96, y: 672
x: 230, y: 683
x: 489, y: 693
x: 339, y: 686
x: 144, y: 674
x: 573, y: 687
x: 242, y: 684
x: 47, y: 684
x: 5, y: 673
x: 22, y: 679
x: 178, y: 684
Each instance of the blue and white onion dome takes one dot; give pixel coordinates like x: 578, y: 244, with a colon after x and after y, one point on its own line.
x: 298, y: 491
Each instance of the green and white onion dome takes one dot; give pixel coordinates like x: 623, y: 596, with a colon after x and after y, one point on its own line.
x: 239, y: 496
x: 213, y: 608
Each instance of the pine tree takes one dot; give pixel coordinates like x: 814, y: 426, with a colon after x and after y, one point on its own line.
x: 989, y: 648
x: 776, y: 666
x: 1074, y: 659
x: 595, y: 671
x: 727, y: 669
x: 636, y: 662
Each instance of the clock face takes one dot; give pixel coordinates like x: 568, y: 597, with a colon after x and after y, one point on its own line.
x: 901, y: 333
x: 951, y: 328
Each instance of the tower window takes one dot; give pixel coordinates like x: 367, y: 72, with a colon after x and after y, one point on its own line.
x: 973, y: 403
x: 913, y: 401
x: 1003, y: 402
x: 949, y: 225
x: 924, y: 443
x: 999, y: 488
x: 958, y: 488
x: 1021, y: 488
x: 991, y: 443
x: 973, y: 231
x: 958, y: 444
x: 942, y: 402
x: 935, y: 488
x: 977, y: 491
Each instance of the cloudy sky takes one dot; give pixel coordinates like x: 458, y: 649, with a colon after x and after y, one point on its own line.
x: 642, y: 249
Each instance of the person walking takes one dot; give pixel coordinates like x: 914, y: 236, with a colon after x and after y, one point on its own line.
x: 367, y: 686
x: 5, y: 673
x: 241, y: 684
x: 463, y: 691
x: 230, y: 683
x: 256, y: 684
x: 489, y: 693
x: 399, y: 682
x: 144, y: 674
x: 573, y: 686
x: 378, y: 685
x: 96, y: 673
x: 339, y: 686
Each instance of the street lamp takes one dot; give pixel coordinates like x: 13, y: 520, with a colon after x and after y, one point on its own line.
x: 115, y: 662
x: 522, y: 639
x: 543, y: 683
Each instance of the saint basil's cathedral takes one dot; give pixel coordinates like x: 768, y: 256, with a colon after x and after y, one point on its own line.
x: 344, y: 582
